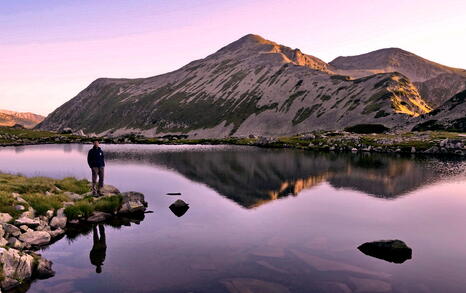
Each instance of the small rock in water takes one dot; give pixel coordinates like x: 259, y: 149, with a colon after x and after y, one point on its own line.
x: 395, y: 251
x: 173, y: 193
x: 179, y: 208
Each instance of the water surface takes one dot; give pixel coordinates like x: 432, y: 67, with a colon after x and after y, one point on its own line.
x: 260, y: 220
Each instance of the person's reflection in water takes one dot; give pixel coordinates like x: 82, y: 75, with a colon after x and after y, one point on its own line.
x: 99, y: 249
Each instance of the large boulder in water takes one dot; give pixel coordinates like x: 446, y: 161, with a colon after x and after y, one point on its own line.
x: 44, y: 269
x: 132, y: 202
x: 395, y: 251
x: 15, y: 266
x: 179, y: 208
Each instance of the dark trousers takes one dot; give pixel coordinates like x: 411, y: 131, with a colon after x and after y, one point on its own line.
x: 97, y: 172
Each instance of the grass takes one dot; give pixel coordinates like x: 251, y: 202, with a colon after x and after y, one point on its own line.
x: 8, y: 203
x: 73, y: 185
x: 33, y: 189
x: 83, y: 208
x: 108, y: 204
x: 42, y: 203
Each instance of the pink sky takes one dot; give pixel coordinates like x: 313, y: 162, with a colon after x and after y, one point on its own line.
x: 51, y: 50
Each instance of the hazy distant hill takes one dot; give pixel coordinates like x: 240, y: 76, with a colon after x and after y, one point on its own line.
x: 256, y: 86
x: 436, y: 83
x: 28, y: 120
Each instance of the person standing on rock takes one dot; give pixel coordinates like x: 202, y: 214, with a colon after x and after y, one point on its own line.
x: 96, y: 161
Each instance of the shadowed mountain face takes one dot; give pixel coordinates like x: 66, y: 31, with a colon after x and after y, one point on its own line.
x: 436, y: 83
x: 253, y: 176
x: 11, y: 118
x: 251, y: 86
x: 450, y: 116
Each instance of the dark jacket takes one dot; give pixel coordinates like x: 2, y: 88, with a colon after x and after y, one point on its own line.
x: 95, y: 157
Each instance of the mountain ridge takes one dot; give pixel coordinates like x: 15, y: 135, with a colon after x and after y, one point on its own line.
x: 26, y: 119
x: 251, y: 86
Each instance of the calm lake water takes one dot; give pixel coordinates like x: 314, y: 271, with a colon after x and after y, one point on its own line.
x: 260, y: 220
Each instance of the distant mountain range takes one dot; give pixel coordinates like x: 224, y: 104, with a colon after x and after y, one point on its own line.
x: 256, y: 86
x: 11, y: 118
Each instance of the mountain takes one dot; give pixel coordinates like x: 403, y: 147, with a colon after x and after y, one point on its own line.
x: 251, y: 86
x: 28, y: 120
x: 450, y: 116
x: 436, y: 83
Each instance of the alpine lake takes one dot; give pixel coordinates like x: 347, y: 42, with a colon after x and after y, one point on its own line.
x: 259, y: 220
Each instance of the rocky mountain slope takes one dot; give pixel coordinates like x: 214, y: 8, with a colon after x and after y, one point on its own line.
x: 28, y: 120
x: 450, y: 116
x: 252, y: 86
x: 436, y: 83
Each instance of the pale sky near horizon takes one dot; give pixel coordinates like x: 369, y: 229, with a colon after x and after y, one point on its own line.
x: 53, y: 49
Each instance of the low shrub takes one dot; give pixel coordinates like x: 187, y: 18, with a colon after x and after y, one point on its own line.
x: 367, y: 128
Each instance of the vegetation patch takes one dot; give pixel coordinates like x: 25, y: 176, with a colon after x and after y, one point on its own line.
x: 367, y: 128
x: 81, y: 209
x: 301, y: 115
x: 42, y: 203
x: 108, y: 204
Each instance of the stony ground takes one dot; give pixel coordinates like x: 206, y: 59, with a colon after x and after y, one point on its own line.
x: 35, y: 212
x: 425, y: 142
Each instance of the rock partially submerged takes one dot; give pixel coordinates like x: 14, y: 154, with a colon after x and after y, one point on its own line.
x: 132, y: 202
x: 179, y: 208
x: 18, y: 267
x: 395, y: 251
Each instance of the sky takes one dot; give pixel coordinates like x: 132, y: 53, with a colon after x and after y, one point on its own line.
x: 50, y: 50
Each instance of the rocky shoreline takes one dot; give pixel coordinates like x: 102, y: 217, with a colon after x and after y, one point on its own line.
x: 426, y: 142
x: 22, y: 234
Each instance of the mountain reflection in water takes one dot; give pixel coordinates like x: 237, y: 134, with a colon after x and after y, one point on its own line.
x: 253, y: 176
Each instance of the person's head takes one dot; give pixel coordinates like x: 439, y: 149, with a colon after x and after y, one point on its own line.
x: 95, y: 143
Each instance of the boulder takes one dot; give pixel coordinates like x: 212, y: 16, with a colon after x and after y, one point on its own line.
x: 23, y: 228
x: 132, y: 202
x: 73, y: 196
x: 3, y: 241
x: 179, y: 208
x: 49, y: 214
x: 44, y: 269
x: 36, y: 238
x: 17, y: 267
x: 109, y: 189
x: 98, y: 217
x: 55, y: 233
x: 61, y: 212
x: 58, y: 222
x: 5, y: 218
x: 30, y: 213
x: 28, y: 222
x: 13, y: 242
x: 11, y: 230
x: 395, y: 251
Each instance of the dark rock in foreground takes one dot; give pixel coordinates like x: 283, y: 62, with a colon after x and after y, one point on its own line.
x: 395, y: 251
x: 179, y: 208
